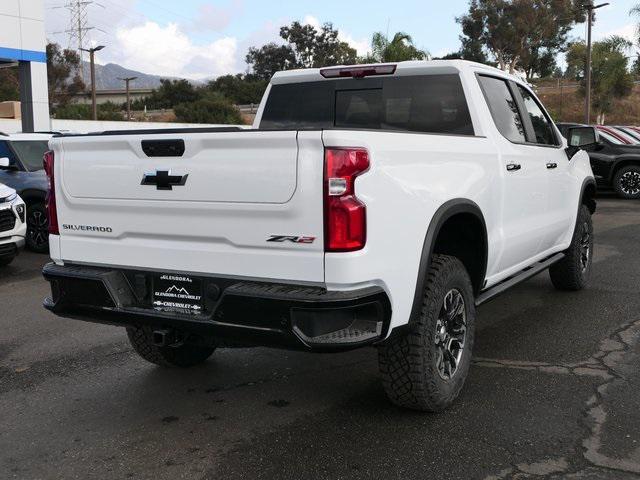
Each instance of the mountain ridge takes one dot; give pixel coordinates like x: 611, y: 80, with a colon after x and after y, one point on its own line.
x: 108, y: 75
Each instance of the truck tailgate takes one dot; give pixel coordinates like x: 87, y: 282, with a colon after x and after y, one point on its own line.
x: 210, y: 210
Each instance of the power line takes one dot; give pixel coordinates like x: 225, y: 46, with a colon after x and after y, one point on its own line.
x: 79, y: 27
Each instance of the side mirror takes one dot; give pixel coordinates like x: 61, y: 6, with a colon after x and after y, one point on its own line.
x: 5, y: 163
x: 581, y: 137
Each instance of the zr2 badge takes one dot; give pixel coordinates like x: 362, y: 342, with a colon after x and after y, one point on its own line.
x: 290, y: 238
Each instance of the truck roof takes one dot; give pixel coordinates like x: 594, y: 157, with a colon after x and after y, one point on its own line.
x: 412, y: 67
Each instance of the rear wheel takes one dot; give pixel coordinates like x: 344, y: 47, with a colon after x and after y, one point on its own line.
x: 37, y: 228
x: 183, y: 356
x: 573, y: 271
x: 426, y: 367
x: 626, y: 182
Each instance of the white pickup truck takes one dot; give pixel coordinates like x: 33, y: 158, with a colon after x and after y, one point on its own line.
x: 368, y: 205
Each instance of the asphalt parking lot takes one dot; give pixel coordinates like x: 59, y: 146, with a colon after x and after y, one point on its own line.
x: 554, y: 392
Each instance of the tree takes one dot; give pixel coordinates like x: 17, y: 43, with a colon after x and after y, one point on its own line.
x: 173, y: 92
x: 306, y: 47
x: 635, y: 69
x: 472, y: 30
x: 315, y: 49
x: 9, y: 85
x: 398, y: 49
x: 209, y: 109
x: 62, y: 75
x: 240, y: 89
x: 635, y: 11
x: 610, y: 77
x: 519, y: 34
x: 271, y: 58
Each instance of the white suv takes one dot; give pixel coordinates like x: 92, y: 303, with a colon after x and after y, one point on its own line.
x: 13, y: 226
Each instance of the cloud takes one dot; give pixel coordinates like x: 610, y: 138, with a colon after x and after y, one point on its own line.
x: 167, y: 50
x: 212, y: 17
x: 628, y: 31
x: 193, y: 49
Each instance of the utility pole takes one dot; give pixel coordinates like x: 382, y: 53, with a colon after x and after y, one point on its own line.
x: 127, y: 80
x: 589, y: 7
x: 94, y: 106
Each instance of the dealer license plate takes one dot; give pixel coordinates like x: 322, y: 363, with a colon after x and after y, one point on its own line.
x: 179, y: 293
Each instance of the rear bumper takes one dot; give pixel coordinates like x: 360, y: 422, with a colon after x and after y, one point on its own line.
x: 235, y: 311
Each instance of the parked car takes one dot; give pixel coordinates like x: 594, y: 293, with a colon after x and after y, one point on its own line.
x: 615, y: 164
x: 13, y: 225
x: 24, y: 173
x: 620, y: 135
x: 375, y: 204
x: 632, y: 132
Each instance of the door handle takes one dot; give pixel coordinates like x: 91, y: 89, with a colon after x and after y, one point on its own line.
x: 552, y: 165
x: 512, y: 167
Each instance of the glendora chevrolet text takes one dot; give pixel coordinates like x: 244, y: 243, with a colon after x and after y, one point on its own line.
x: 429, y: 188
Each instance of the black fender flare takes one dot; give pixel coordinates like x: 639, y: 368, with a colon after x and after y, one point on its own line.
x: 445, y: 212
x: 589, y: 181
x: 625, y: 158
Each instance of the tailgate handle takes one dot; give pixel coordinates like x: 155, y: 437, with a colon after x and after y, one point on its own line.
x: 163, y: 148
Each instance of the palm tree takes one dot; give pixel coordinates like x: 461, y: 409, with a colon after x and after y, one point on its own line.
x: 398, y: 49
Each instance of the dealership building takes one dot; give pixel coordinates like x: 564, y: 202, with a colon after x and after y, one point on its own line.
x: 23, y: 43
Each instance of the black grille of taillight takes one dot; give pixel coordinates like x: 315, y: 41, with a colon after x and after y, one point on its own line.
x: 7, y: 220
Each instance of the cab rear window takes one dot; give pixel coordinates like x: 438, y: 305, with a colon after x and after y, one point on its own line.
x: 426, y: 103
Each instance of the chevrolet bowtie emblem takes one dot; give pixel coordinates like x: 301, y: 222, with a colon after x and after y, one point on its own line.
x: 163, y: 180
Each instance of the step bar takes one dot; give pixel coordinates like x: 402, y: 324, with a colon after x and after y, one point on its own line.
x: 527, y: 273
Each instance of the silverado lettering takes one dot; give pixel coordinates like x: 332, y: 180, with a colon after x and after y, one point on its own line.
x: 87, y: 228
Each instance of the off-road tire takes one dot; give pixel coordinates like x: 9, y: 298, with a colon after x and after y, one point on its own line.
x: 408, y: 361
x: 182, y: 356
x: 37, y: 238
x: 618, y: 180
x: 570, y: 273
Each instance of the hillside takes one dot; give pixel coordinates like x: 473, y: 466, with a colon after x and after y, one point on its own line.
x: 566, y: 105
x: 107, y: 77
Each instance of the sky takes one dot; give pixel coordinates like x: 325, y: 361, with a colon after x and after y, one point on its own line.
x: 198, y: 39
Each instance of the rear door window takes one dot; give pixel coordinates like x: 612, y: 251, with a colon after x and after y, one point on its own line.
x: 504, y: 108
x: 542, y: 126
x: 424, y: 103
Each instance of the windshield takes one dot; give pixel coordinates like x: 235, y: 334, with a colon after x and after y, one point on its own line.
x: 30, y: 153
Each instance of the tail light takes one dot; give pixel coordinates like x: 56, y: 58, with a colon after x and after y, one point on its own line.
x: 52, y: 213
x: 344, y: 214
